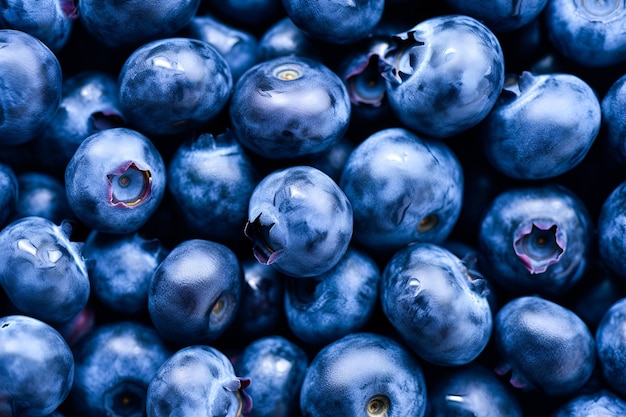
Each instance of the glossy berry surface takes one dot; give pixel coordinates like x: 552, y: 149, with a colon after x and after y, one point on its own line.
x: 288, y: 107
x: 612, y: 229
x: 115, y: 180
x: 402, y: 188
x: 173, y: 85
x: 338, y: 382
x: 543, y: 346
x: 610, y: 341
x: 300, y: 221
x: 614, y: 121
x: 599, y: 403
x: 439, y: 309
x: 29, y: 350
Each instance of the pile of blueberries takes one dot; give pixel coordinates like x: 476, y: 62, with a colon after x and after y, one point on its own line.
x: 296, y: 208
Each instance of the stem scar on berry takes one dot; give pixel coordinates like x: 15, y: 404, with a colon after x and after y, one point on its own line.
x: 378, y: 406
x: 427, y: 223
x: 539, y: 246
x: 129, y: 186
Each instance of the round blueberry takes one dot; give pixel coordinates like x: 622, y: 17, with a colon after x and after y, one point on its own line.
x: 599, y: 403
x: 612, y: 230
x: 614, y: 121
x: 501, y: 15
x: 611, y: 344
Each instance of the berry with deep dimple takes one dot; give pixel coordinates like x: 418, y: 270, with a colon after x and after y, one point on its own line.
x: 195, y: 292
x: 115, y: 181
x: 197, y: 381
x: 173, y: 85
x: 440, y: 310
x: 32, y: 81
x: 288, y: 107
x: 544, y: 346
x: 38, y: 261
x: 541, y: 126
x: 443, y: 75
x: 402, y: 189
x: 36, y: 367
x: 364, y: 375
x: 300, y: 221
x: 536, y: 239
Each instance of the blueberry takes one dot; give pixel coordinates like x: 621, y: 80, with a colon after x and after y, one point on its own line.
x: 599, y: 403
x: 9, y: 187
x: 211, y: 178
x: 50, y: 21
x: 610, y: 342
x: 326, y: 307
x: 300, y: 221
x: 587, y: 32
x: 364, y: 374
x: 120, y: 268
x: 402, y: 188
x: 276, y: 368
x: 135, y: 22
x: 614, y: 121
x: 433, y: 302
x: 536, y: 239
x: 197, y: 381
x: 611, y: 231
x: 36, y: 367
x: 444, y: 75
x: 256, y: 14
x: 115, y: 181
x: 195, y: 292
x: 471, y: 390
x: 42, y: 195
x: 40, y: 262
x: 289, y: 107
x: 88, y: 104
x: 114, y: 363
x: 284, y: 38
x: 31, y: 86
x: 336, y: 22
x: 544, y: 346
x: 502, y: 15
x: 173, y: 85
x: 541, y: 126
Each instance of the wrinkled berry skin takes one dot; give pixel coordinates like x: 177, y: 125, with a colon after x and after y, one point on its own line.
x: 444, y: 75
x: 541, y: 126
x: 39, y: 261
x: 114, y: 363
x: 50, y: 21
x: 120, y: 268
x: 340, y: 301
x: 32, y: 82
x: 115, y: 181
x: 135, y: 22
x: 36, y: 367
x: 300, y: 221
x: 289, y: 107
x: 174, y: 85
x: 545, y: 347
x: 197, y: 381
x: 536, y: 239
x: 337, y: 22
x: 611, y: 342
x: 211, y: 178
x: 464, y: 390
x: 440, y: 310
x: 599, y: 403
x: 501, y: 15
x: 612, y: 231
x: 364, y: 374
x: 589, y: 33
x: 402, y: 189
x: 195, y: 292
x: 614, y: 122
x: 277, y: 367
x: 88, y: 104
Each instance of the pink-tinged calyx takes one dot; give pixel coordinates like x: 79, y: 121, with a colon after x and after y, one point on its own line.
x: 539, y: 244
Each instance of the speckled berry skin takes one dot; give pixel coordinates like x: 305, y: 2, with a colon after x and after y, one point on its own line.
x: 536, y: 239
x: 440, y: 310
x: 614, y: 121
x: 612, y: 231
x: 115, y: 180
x: 589, y: 33
x: 402, y: 188
x: 300, y: 221
x: 541, y: 126
x: 611, y: 342
x: 601, y: 403
x: 32, y: 83
x: 288, y: 107
x: 173, y: 85
x: 545, y: 347
x: 364, y: 374
x: 443, y: 75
